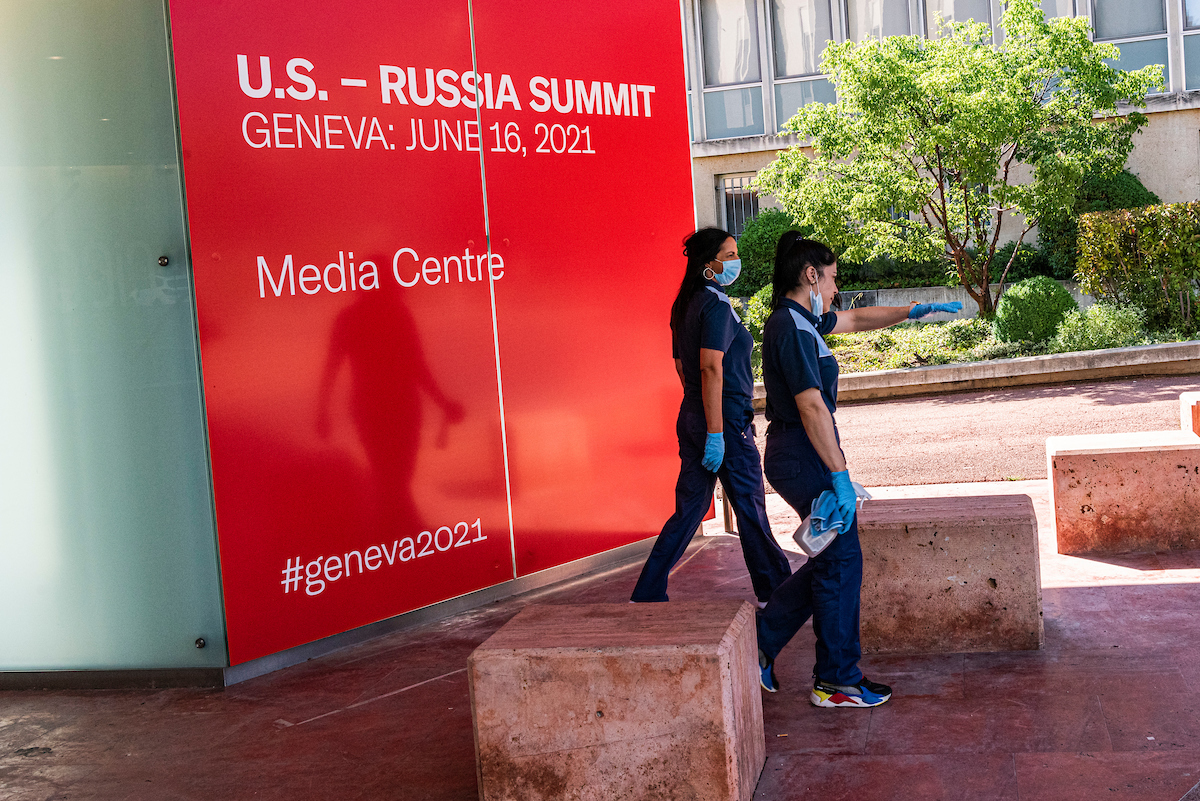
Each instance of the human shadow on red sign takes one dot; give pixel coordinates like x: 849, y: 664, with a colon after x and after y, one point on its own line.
x: 377, y: 337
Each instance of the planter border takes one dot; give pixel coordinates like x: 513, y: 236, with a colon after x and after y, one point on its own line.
x: 1171, y: 358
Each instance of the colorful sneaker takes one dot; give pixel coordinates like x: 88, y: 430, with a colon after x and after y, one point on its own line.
x: 766, y: 673
x: 864, y: 694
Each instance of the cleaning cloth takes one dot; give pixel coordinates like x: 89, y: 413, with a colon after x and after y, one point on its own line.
x: 825, y: 521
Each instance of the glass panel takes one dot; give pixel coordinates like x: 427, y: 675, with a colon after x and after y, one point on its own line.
x: 1191, y: 61
x: 1118, y: 18
x: 107, y: 548
x: 877, y: 18
x: 736, y: 112
x: 1191, y: 13
x: 687, y: 58
x: 1135, y: 55
x: 730, y: 41
x: 789, y: 97
x: 802, y: 28
x: 954, y: 11
x: 1058, y: 8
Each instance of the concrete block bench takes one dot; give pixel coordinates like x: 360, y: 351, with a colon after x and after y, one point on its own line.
x: 1116, y: 493
x: 619, y: 701
x: 950, y: 575
x: 1189, y: 412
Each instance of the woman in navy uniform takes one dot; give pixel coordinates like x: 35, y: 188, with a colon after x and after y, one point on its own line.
x: 804, y: 458
x: 715, y: 426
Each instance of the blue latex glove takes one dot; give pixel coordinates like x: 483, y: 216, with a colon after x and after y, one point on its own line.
x: 922, y: 309
x: 846, y: 496
x: 714, y: 452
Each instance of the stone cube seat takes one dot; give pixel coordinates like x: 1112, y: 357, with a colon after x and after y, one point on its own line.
x: 950, y: 575
x: 619, y: 702
x: 1117, y: 493
x: 1189, y: 412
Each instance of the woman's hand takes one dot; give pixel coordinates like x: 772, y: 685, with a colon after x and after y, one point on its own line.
x: 920, y: 310
x: 714, y: 452
x: 847, y: 498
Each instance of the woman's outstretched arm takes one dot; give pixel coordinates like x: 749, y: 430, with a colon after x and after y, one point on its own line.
x: 870, y: 318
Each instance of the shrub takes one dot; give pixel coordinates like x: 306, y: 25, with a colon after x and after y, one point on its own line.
x: 756, y: 246
x: 966, y: 334
x: 994, y: 349
x: 1058, y: 233
x: 1100, y: 326
x: 883, y: 340
x: 1148, y: 258
x: 757, y: 310
x: 1031, y: 310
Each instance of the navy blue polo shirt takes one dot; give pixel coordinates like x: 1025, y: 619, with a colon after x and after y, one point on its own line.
x: 796, y: 358
x: 711, y: 322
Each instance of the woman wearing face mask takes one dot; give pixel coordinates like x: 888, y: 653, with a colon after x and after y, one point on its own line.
x: 715, y: 426
x: 804, y: 458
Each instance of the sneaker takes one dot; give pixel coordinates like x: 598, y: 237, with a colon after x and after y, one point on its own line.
x: 766, y: 673
x: 864, y: 694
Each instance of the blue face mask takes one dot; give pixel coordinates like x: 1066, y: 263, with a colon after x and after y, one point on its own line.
x: 818, y: 303
x: 733, y: 268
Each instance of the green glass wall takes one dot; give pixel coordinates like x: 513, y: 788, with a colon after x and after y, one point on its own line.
x: 107, y: 546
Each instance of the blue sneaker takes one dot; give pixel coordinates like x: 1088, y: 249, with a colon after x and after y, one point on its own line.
x: 766, y: 673
x: 864, y: 694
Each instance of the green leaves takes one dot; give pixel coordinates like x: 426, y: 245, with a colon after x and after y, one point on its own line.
x: 933, y: 143
x: 1148, y: 258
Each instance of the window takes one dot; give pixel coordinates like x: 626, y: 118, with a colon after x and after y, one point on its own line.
x: 737, y: 201
x: 1191, y: 14
x: 877, y: 18
x: 955, y: 11
x: 1137, y: 27
x: 733, y: 102
x: 1191, y: 44
x: 801, y: 29
x: 1058, y: 8
x: 688, y: 60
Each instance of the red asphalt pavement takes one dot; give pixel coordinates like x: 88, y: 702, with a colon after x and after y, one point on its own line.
x: 997, y: 434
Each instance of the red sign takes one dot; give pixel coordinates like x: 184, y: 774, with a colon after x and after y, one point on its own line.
x: 434, y: 249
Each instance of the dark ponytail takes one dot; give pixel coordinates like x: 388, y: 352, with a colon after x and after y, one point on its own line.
x: 793, y: 255
x: 699, y: 247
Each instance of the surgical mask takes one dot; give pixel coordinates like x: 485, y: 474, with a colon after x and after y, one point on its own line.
x: 818, y: 303
x: 733, y: 268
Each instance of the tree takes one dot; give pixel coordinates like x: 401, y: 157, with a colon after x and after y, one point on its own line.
x: 933, y: 142
x: 757, y: 246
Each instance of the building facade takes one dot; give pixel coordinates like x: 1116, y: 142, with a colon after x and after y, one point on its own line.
x: 751, y: 64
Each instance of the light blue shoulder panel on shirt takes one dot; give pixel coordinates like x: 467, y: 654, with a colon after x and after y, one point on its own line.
x: 804, y: 325
x: 725, y: 299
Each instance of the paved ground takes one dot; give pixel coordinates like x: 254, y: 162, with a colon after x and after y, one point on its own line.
x: 994, y: 435
x: 1110, y: 709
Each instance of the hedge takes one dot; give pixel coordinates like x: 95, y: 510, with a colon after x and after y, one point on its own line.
x: 1058, y: 233
x: 1147, y: 258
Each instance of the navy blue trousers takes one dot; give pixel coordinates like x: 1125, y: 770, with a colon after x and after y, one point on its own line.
x: 741, y: 476
x: 826, y: 588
